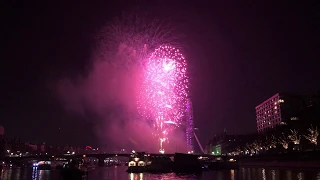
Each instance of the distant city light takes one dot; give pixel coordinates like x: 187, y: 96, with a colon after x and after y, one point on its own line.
x: 190, y: 152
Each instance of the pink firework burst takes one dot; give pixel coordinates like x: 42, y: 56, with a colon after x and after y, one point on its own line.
x: 164, y: 93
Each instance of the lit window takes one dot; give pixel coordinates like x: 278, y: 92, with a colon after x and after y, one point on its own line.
x: 281, y: 101
x: 275, y: 107
x: 294, y: 118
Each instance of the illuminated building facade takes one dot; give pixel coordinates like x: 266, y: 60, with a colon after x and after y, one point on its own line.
x: 279, y: 109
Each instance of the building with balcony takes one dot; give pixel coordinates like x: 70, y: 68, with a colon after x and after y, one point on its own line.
x: 279, y: 109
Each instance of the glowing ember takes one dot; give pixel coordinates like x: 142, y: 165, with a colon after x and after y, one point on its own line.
x: 164, y: 93
x: 161, y: 151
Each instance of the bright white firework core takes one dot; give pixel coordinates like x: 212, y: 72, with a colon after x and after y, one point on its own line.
x: 168, y: 65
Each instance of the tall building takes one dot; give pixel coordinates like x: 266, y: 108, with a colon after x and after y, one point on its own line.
x: 279, y: 109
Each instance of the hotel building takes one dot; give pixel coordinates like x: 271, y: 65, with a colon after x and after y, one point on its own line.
x: 277, y: 110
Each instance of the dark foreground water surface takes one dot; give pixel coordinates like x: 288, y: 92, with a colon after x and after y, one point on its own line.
x: 118, y: 173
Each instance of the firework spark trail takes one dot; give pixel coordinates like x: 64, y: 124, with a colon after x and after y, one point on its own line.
x: 164, y: 94
x: 132, y: 37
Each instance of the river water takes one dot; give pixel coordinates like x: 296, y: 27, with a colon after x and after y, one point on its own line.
x: 118, y: 173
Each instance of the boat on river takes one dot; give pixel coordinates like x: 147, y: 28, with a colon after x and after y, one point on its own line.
x: 159, y: 164
x: 141, y: 162
x: 74, y: 169
x: 138, y: 162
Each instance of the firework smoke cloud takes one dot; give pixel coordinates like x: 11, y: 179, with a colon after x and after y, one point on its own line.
x: 128, y: 55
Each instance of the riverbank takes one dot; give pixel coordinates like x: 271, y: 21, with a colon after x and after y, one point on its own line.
x: 292, y: 160
x: 282, y: 165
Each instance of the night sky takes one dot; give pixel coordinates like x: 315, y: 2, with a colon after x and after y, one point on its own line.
x: 238, y: 54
